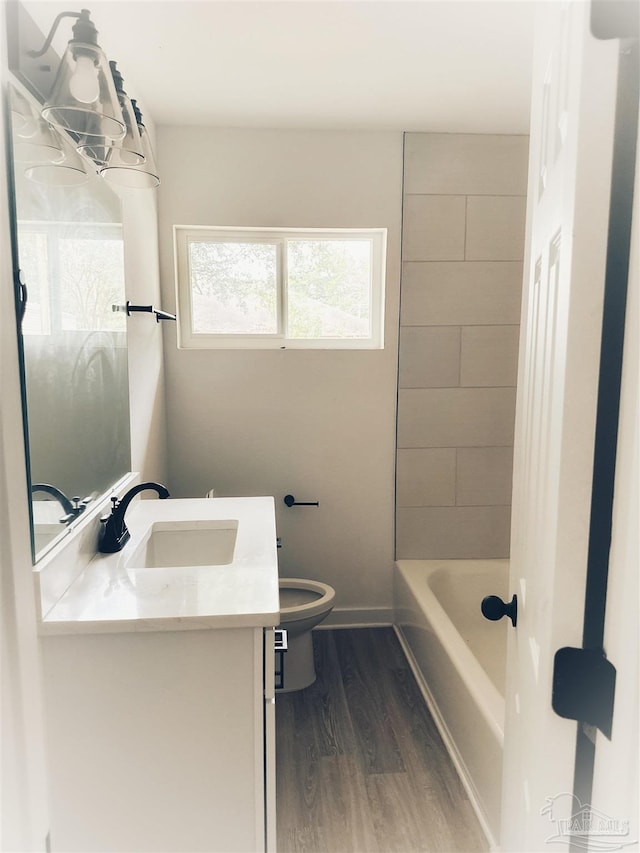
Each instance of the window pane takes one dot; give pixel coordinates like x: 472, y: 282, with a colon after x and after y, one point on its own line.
x: 234, y: 288
x: 329, y: 288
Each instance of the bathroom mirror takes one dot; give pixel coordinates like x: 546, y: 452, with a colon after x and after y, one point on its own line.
x: 69, y: 245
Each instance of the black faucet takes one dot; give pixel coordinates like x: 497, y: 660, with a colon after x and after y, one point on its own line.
x: 114, y: 534
x: 73, y: 507
x: 55, y: 492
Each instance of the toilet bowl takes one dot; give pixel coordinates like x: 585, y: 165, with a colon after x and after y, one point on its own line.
x: 303, y: 605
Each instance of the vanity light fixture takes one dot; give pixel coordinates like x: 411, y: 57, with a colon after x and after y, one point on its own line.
x: 83, y: 99
x: 84, y: 102
x: 140, y: 176
x: 121, y: 153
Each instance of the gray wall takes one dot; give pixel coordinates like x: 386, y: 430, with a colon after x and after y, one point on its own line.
x: 319, y: 424
x: 463, y: 244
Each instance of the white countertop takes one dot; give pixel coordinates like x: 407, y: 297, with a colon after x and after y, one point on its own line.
x: 108, y: 597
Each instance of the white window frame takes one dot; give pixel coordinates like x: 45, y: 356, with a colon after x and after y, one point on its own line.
x: 187, y: 339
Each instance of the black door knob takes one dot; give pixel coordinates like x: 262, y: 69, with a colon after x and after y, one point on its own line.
x: 494, y: 608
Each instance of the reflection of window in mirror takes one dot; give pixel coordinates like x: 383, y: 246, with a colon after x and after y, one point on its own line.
x: 71, y: 254
x: 87, y: 263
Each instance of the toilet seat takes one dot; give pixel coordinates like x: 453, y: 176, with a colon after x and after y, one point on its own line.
x: 323, y: 597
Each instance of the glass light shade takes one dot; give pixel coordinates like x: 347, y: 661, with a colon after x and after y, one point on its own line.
x: 34, y: 141
x: 143, y: 176
x: 124, y: 153
x: 41, y: 147
x: 68, y: 171
x: 24, y: 118
x: 83, y: 99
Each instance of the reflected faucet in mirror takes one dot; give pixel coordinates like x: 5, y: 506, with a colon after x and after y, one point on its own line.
x: 73, y: 507
x: 114, y: 534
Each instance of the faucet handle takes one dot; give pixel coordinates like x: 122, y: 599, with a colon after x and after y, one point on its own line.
x: 114, y: 506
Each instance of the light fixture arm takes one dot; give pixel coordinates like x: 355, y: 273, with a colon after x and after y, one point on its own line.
x: 36, y: 53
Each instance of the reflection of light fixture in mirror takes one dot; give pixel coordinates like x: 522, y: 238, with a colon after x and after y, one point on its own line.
x: 125, y: 152
x: 83, y: 98
x: 143, y: 176
x: 24, y: 119
x: 34, y: 141
x: 43, y: 146
x: 69, y: 171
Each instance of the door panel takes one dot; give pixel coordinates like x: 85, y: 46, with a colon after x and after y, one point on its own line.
x: 573, y: 103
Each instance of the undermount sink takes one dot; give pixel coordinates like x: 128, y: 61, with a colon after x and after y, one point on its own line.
x: 190, y: 563
x: 186, y: 543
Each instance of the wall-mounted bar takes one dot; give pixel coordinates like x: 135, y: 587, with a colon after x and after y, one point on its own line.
x: 134, y: 309
x: 130, y: 309
x: 291, y: 501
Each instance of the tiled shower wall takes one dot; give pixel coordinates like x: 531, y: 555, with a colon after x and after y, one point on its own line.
x: 463, y: 241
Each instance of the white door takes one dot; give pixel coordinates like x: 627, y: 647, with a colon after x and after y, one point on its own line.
x: 573, y: 103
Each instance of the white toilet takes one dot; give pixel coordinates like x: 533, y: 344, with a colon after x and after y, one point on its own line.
x: 303, y: 605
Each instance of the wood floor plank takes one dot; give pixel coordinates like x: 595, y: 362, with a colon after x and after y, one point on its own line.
x: 433, y: 777
x: 326, y: 701
x: 369, y: 715
x: 310, y: 724
x: 306, y: 839
x: 338, y: 743
x: 297, y: 768
x: 398, y: 826
x: 346, y: 816
x: 427, y: 752
x: 387, y: 644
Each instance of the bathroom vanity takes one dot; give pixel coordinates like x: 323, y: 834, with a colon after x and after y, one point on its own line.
x: 159, y: 685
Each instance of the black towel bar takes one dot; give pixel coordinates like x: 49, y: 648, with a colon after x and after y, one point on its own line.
x: 291, y: 501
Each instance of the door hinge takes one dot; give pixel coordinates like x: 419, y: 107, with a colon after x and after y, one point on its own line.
x: 584, y: 684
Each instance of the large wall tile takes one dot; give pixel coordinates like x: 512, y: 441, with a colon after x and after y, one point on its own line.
x: 434, y: 228
x: 429, y: 357
x: 426, y: 477
x: 459, y: 320
x: 452, y: 532
x: 455, y: 417
x: 461, y: 293
x: 484, y: 475
x: 495, y: 228
x: 467, y: 164
x: 489, y: 355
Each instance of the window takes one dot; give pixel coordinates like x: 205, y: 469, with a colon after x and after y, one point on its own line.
x: 280, y: 288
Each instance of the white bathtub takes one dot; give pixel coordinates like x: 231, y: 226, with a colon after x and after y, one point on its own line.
x: 459, y: 659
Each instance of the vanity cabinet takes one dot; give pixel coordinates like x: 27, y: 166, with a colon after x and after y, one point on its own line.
x: 161, y: 740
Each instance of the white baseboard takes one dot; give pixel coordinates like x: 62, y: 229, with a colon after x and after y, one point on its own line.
x: 358, y: 617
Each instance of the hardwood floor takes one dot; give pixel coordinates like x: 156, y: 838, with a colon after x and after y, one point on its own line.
x: 361, y: 767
